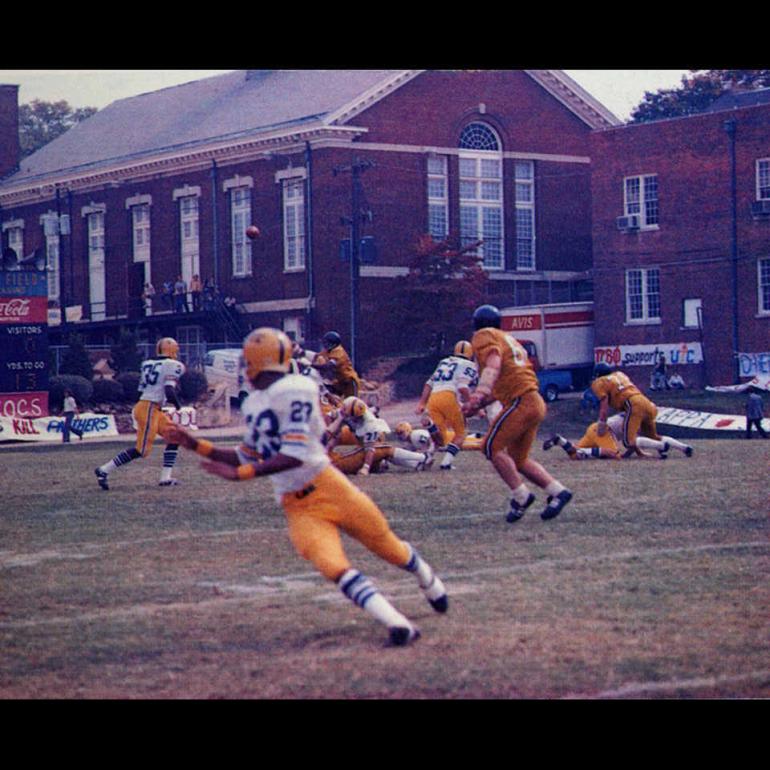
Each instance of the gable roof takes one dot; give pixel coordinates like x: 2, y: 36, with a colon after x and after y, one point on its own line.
x: 239, y: 106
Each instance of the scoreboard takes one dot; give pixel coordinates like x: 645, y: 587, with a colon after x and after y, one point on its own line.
x: 23, y: 343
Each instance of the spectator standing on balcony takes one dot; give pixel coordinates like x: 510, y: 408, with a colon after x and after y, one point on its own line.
x: 167, y: 295
x: 209, y: 294
x: 147, y: 295
x: 196, y: 292
x: 180, y: 296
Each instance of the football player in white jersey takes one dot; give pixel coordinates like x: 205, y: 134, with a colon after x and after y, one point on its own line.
x: 370, y: 431
x: 416, y: 439
x: 442, y: 397
x: 283, y: 439
x: 157, y: 386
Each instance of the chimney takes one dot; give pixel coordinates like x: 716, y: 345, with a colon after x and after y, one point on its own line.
x: 10, y: 150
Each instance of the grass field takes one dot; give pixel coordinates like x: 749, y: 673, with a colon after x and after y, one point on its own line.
x: 654, y: 583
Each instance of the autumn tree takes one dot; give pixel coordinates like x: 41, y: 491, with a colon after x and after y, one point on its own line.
x: 697, y: 92
x: 434, y: 302
x: 41, y: 122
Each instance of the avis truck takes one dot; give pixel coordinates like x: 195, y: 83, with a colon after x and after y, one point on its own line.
x: 559, y: 340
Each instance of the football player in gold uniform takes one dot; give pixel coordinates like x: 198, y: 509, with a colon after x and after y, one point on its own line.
x: 283, y: 440
x: 158, y: 383
x: 506, y: 375
x: 615, y: 390
x: 344, y: 380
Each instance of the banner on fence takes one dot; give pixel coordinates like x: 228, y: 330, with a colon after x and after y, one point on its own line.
x: 51, y: 428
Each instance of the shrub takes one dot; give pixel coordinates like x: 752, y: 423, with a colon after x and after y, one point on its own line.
x: 110, y: 391
x: 410, y: 377
x: 125, y: 353
x: 130, y: 383
x: 75, y: 360
x: 192, y: 385
x: 81, y: 388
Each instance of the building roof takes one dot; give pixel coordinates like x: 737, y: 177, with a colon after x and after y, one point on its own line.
x: 733, y: 100
x: 239, y: 105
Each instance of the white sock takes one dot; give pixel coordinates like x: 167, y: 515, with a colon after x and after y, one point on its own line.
x: 406, y: 458
x: 554, y: 488
x: 674, y: 443
x: 649, y: 443
x: 521, y: 494
x: 583, y: 454
x: 419, y: 567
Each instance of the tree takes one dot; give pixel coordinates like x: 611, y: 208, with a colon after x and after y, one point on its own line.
x: 75, y: 359
x: 125, y: 353
x: 698, y: 91
x: 41, y: 122
x: 435, y: 300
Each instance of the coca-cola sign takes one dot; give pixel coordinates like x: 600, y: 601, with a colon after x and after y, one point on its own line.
x: 21, y: 310
x: 15, y: 308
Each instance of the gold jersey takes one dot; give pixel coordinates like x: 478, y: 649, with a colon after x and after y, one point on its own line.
x: 516, y: 373
x: 616, y: 387
x: 343, y: 371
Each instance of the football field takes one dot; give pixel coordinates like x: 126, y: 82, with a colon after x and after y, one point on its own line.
x: 653, y: 583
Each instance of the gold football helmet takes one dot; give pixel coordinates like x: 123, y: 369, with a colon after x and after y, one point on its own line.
x: 404, y: 430
x: 266, y: 350
x: 464, y: 349
x: 353, y: 407
x: 167, y: 346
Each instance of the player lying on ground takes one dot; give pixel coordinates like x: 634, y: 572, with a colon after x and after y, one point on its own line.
x: 608, y: 446
x: 370, y: 432
x: 442, y: 397
x: 157, y: 385
x: 283, y: 440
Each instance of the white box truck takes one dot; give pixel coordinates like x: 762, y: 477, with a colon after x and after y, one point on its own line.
x: 559, y: 339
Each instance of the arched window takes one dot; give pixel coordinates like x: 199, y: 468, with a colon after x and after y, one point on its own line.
x: 481, y: 193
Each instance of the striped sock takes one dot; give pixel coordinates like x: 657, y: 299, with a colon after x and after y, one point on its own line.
x: 124, y: 457
x: 170, y: 454
x: 419, y: 567
x: 361, y: 591
x: 450, y: 451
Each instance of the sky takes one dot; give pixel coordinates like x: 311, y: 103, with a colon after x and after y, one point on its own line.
x: 618, y: 90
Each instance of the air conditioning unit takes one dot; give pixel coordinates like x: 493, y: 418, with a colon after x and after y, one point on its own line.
x: 628, y: 223
x: 760, y: 208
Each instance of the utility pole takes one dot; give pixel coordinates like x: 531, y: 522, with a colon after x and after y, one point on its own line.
x: 357, y: 216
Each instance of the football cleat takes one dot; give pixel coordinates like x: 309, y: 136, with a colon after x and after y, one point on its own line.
x: 400, y: 636
x: 436, y: 595
x: 517, y: 511
x: 555, y: 504
x: 688, y: 451
x: 449, y: 467
x: 550, y: 442
x: 169, y: 483
x: 101, y: 477
x: 167, y: 346
x: 662, y: 454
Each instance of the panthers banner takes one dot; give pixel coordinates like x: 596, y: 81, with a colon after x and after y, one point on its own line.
x: 50, y: 428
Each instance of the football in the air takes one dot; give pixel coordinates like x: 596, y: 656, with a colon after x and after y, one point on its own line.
x: 252, y: 231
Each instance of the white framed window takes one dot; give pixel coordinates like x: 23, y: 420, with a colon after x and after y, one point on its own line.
x: 643, y: 296
x: 16, y: 240
x: 189, y: 239
x: 524, y: 185
x: 481, y: 194
x: 763, y: 179
x: 640, y: 198
x: 50, y: 224
x: 691, y: 313
x: 96, y: 267
x: 293, y: 224
x: 294, y: 326
x: 763, y: 285
x: 240, y: 219
x: 140, y: 229
x: 438, y: 197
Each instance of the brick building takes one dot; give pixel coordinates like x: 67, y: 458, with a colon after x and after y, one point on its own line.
x: 681, y: 241
x: 165, y: 183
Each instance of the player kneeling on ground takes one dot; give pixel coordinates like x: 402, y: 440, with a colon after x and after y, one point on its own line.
x: 283, y: 439
x: 370, y: 432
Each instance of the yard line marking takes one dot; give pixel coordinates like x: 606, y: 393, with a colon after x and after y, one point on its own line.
x: 296, y: 583
x: 640, y: 688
